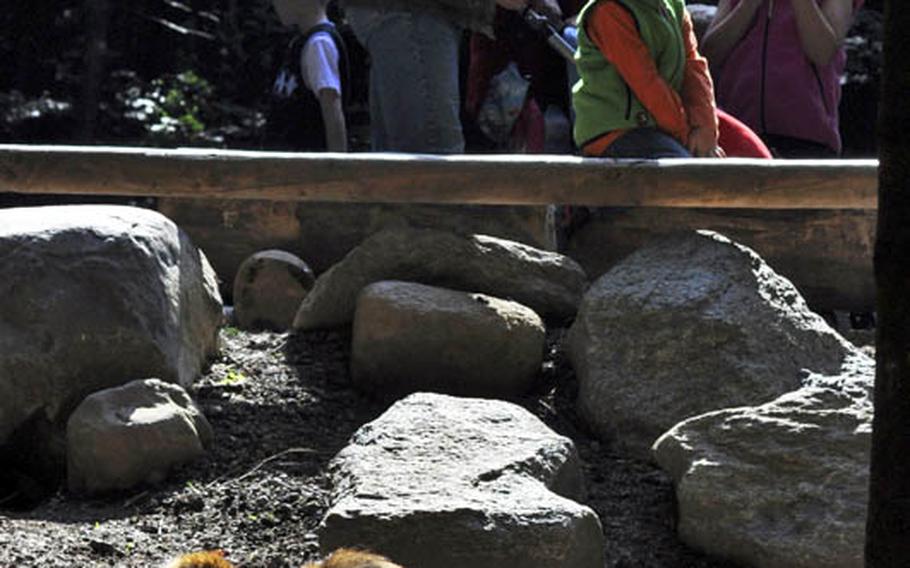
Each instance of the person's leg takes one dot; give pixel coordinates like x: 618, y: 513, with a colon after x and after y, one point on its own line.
x: 413, y: 80
x: 364, y: 22
x: 646, y: 143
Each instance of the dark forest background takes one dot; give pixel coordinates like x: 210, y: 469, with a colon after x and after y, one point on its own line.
x: 196, y: 72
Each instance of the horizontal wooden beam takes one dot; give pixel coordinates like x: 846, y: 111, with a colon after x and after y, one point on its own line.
x: 469, y: 179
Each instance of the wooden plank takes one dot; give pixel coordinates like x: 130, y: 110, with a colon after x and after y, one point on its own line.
x: 409, y: 178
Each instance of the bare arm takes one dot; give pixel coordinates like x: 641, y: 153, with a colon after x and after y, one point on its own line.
x: 698, y: 97
x: 336, y: 134
x: 822, y: 27
x: 727, y: 28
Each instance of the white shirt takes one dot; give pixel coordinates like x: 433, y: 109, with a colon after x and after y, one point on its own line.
x: 319, y: 63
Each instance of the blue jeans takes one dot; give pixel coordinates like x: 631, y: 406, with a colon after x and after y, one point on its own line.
x: 414, y: 97
x: 646, y: 143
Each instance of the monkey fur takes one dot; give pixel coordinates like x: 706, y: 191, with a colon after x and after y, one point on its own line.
x: 341, y: 558
x: 206, y: 559
x: 349, y: 558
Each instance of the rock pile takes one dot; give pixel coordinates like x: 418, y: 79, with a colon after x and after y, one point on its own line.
x: 688, y: 325
x: 761, y: 412
x: 95, y: 297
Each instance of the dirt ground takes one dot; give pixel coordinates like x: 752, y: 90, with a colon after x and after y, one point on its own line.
x: 281, y: 407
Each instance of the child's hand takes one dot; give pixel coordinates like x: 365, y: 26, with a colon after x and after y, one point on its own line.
x: 702, y: 143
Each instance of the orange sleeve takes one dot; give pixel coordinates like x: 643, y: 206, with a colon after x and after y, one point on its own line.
x: 612, y: 29
x: 697, y: 88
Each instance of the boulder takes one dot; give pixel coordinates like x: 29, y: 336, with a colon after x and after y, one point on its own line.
x: 811, y: 248
x: 93, y: 297
x: 268, y: 289
x: 410, y: 337
x: 549, y: 283
x: 783, y: 484
x: 462, y: 483
x: 687, y: 325
x: 120, y: 437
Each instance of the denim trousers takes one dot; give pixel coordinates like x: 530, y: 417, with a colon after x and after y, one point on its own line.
x: 414, y: 97
x: 646, y: 143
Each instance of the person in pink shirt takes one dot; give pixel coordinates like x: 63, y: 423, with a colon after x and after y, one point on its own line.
x: 777, y: 66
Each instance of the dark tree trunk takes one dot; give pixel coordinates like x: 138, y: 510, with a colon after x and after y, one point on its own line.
x: 97, y: 17
x: 888, y: 526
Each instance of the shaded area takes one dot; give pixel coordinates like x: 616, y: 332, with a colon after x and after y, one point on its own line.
x: 281, y: 406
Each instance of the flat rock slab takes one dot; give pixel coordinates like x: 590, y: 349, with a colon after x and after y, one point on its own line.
x: 688, y: 325
x: 94, y: 296
x: 549, y: 283
x: 462, y: 483
x: 121, y: 437
x: 783, y: 484
x: 410, y: 337
x: 269, y: 287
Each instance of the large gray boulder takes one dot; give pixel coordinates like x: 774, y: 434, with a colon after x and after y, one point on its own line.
x: 688, y: 325
x: 462, y: 483
x: 783, y: 484
x: 811, y: 248
x: 549, y: 283
x: 410, y: 337
x: 121, y: 437
x: 93, y: 297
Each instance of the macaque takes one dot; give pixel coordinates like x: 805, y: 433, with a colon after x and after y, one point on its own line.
x: 348, y: 558
x: 207, y: 559
x: 341, y: 558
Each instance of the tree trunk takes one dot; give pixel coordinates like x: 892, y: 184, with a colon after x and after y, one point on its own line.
x: 97, y: 17
x: 888, y: 525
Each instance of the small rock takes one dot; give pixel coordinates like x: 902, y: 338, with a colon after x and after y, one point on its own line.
x: 268, y: 289
x: 120, y: 437
x: 410, y: 337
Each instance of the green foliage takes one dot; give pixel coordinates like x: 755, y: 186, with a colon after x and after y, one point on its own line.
x: 232, y: 377
x: 172, y: 109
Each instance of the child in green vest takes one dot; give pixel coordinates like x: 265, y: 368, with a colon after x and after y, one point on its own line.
x: 644, y: 91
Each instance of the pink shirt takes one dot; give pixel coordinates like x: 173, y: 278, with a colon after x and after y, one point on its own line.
x: 769, y: 83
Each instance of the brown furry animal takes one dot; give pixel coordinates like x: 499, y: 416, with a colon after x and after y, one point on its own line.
x: 348, y: 558
x: 207, y: 559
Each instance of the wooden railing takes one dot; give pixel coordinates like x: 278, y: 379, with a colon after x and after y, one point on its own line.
x: 409, y: 178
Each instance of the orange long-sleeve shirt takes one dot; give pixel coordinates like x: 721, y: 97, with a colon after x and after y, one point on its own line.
x: 612, y: 28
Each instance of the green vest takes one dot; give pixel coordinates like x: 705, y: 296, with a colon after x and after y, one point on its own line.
x: 603, y: 102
